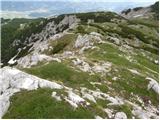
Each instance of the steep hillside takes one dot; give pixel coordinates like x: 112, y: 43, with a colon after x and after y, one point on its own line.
x: 84, y: 65
x: 151, y: 12
x: 17, y: 34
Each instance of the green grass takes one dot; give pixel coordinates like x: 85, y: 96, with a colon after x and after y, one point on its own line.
x: 146, y: 22
x: 145, y: 30
x: 147, y: 35
x: 98, y: 17
x: 102, y: 88
x: 39, y: 104
x: 62, y: 73
x: 139, y: 34
x: 109, y: 53
x: 61, y: 44
x: 102, y: 103
x: 128, y: 82
x: 123, y: 108
x: 86, y: 29
x: 98, y: 109
x: 81, y: 29
x: 144, y: 61
x: 131, y: 83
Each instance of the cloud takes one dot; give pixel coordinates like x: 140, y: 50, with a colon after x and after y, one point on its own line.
x: 13, y: 14
x: 41, y: 10
x: 19, y: 14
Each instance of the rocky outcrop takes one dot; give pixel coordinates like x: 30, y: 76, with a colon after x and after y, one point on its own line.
x: 104, y: 66
x: 120, y: 115
x: 38, y: 42
x: 74, y: 99
x: 100, y: 67
x: 87, y: 41
x: 13, y: 80
x: 142, y: 12
x: 139, y: 13
x: 153, y: 84
x: 33, y: 59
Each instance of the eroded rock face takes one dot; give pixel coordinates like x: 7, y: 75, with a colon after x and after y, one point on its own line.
x: 141, y: 13
x: 54, y: 95
x: 153, y: 84
x: 144, y: 114
x: 37, y: 54
x: 102, y: 67
x: 114, y: 40
x: 4, y: 105
x: 85, y: 42
x: 147, y: 113
x: 84, y: 66
x: 17, y: 79
x: 32, y: 59
x: 40, y: 41
x: 98, y: 117
x: 120, y: 115
x: 74, y: 99
x: 99, y: 67
x: 13, y: 80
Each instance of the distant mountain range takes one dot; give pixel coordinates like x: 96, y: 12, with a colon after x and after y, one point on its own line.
x: 33, y: 9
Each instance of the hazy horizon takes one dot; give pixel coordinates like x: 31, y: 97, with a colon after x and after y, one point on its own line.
x: 35, y: 9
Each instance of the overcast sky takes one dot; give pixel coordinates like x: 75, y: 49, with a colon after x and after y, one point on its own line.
x: 91, y: 0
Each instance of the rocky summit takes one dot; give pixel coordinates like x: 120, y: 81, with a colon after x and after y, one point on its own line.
x: 100, y: 65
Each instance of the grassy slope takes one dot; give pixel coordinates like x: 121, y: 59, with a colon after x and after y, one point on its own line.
x: 61, y: 44
x: 39, y: 104
x: 61, y: 72
x: 129, y: 83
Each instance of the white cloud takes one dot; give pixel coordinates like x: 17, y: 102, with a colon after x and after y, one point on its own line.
x: 18, y: 14
x: 13, y: 14
x: 41, y: 10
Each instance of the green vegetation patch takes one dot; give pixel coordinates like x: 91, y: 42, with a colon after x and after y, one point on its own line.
x: 155, y: 8
x: 108, y: 52
x: 102, y: 88
x: 98, y: 17
x: 139, y: 34
x: 132, y: 83
x: 39, y: 104
x: 147, y: 63
x: 123, y: 108
x: 11, y: 31
x: 147, y: 22
x: 62, y: 73
x: 62, y: 44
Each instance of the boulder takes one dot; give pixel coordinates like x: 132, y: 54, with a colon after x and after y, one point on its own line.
x: 120, y: 115
x: 153, y: 84
x: 13, y: 80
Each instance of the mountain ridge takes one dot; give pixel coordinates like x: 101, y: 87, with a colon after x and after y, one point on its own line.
x: 103, y: 64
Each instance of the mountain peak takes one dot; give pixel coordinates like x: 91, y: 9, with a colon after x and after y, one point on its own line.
x: 142, y: 12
